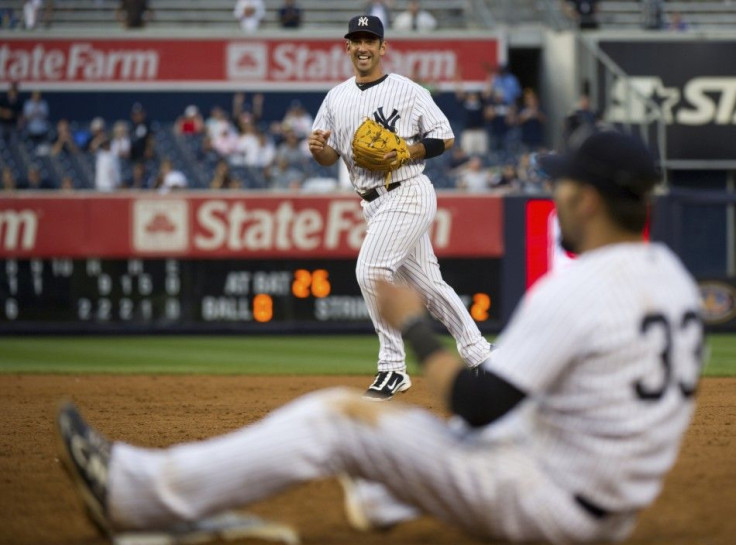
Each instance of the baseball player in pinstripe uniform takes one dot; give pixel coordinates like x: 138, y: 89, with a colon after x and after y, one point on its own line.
x: 565, y: 437
x: 397, y: 246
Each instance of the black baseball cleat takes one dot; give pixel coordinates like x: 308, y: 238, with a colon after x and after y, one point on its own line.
x: 387, y: 384
x: 86, y: 456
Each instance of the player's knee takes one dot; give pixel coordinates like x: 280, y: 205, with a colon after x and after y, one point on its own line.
x: 368, y: 275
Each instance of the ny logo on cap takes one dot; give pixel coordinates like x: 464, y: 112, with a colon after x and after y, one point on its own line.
x: 363, y: 21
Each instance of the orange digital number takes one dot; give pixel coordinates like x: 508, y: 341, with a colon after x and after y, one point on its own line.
x: 262, y: 308
x: 480, y: 306
x: 315, y: 283
x: 301, y: 284
x: 320, y: 284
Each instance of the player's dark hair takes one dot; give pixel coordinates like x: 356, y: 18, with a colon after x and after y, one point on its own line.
x: 629, y: 214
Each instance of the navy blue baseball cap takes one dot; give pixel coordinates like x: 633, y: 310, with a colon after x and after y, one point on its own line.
x: 617, y: 164
x: 365, y: 23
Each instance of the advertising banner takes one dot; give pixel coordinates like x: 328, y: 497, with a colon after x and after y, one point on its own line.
x: 694, y: 82
x: 198, y: 63
x: 245, y: 227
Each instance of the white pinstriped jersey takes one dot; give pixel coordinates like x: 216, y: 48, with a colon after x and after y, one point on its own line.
x: 609, y: 352
x: 398, y: 104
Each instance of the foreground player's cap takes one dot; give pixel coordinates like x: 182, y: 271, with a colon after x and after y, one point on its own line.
x: 365, y: 23
x: 617, y: 164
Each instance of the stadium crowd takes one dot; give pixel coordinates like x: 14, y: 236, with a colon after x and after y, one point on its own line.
x: 235, y: 147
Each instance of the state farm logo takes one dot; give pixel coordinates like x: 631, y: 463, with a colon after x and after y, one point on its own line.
x: 247, y: 61
x: 18, y: 229
x: 160, y: 225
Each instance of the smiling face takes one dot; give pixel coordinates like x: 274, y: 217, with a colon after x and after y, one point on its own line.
x: 365, y: 50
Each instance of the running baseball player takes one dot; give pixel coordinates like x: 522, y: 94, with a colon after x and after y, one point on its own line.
x: 565, y: 437
x: 399, y: 202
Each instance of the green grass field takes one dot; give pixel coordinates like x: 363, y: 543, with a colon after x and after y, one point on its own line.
x: 233, y: 355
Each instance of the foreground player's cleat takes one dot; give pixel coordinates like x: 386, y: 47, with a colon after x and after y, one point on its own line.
x: 387, y: 384
x: 86, y: 455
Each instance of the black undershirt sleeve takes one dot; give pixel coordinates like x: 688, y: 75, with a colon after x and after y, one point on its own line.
x: 479, y: 400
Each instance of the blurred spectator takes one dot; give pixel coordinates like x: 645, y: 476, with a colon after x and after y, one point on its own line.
x: 217, y: 122
x: 67, y: 183
x: 415, y: 18
x: 651, y: 13
x: 505, y: 84
x: 120, y: 144
x: 582, y: 120
x: 8, y: 18
x: 500, y: 117
x: 189, y: 123
x: 298, y: 120
x: 284, y: 177
x: 262, y: 152
x: 249, y: 13
x: 138, y: 177
x: 36, y: 117
x: 583, y: 12
x: 473, y: 176
x: 134, y: 13
x: 380, y: 9
x: 531, y: 122
x: 676, y: 22
x: 97, y: 134
x: 31, y: 10
x: 222, y: 178
x: 11, y: 112
x: 64, y: 139
x: 225, y: 143
x: 251, y: 111
x: 505, y: 178
x: 169, y: 179
x: 458, y: 157
x: 141, y: 139
x: 35, y: 181
x: 291, y: 151
x: 9, y: 183
x: 290, y: 15
x: 107, y: 168
x: 528, y: 178
x: 473, y: 136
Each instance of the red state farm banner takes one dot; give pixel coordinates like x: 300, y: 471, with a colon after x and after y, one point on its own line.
x: 269, y: 63
x: 244, y: 227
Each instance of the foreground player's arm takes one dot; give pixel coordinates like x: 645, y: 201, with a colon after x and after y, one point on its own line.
x: 325, y: 155
x: 479, y: 400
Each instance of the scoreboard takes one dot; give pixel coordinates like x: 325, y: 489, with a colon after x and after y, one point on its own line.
x: 236, y: 262
x: 150, y: 295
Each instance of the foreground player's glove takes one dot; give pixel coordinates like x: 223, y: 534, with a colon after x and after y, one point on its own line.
x: 372, y: 142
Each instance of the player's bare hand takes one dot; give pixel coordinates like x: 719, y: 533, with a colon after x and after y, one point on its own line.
x: 318, y: 140
x: 398, y: 304
x: 368, y: 412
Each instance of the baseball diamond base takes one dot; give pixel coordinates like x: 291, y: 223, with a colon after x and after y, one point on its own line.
x: 39, y: 506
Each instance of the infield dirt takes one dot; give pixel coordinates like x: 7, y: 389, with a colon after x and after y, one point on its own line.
x: 38, y: 505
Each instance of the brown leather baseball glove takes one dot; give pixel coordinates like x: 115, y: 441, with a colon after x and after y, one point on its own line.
x: 372, y: 142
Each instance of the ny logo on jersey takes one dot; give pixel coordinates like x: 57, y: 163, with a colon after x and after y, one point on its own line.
x: 388, y: 123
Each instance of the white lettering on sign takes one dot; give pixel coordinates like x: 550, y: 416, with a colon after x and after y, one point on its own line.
x: 18, y: 229
x: 81, y: 61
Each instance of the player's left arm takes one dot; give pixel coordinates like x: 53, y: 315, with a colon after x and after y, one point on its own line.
x: 479, y: 400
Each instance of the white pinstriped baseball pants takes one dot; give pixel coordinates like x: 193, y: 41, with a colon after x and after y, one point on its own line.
x: 397, y: 248
x: 491, y: 487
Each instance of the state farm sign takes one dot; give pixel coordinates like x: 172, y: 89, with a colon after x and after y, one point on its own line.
x: 167, y: 64
x: 245, y: 227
